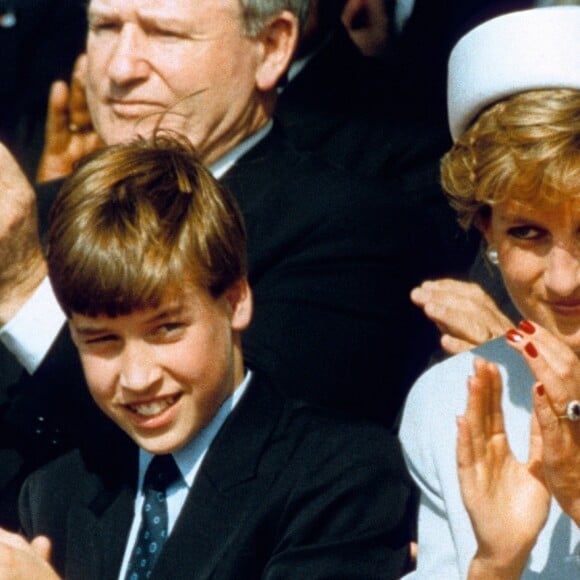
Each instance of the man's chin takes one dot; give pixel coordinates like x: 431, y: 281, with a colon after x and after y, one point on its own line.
x: 123, y: 131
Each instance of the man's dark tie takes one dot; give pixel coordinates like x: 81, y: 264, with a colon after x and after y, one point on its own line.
x: 161, y: 473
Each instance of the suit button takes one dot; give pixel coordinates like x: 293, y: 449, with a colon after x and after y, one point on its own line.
x: 39, y: 430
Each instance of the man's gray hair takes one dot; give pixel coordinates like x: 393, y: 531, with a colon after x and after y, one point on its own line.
x: 257, y: 13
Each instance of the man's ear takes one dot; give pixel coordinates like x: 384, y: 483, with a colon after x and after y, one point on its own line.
x: 239, y: 297
x: 279, y: 41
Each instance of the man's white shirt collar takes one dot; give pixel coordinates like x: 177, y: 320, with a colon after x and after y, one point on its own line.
x: 220, y: 167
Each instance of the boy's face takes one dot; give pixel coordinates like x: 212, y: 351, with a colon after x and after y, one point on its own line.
x: 162, y: 373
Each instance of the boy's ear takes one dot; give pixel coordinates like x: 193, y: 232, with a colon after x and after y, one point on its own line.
x: 279, y: 40
x: 239, y: 297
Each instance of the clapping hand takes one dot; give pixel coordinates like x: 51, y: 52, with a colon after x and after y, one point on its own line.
x: 464, y: 314
x: 557, y: 370
x: 21, y: 560
x: 69, y: 134
x: 507, y: 501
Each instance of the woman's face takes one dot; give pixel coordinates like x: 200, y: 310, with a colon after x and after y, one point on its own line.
x: 539, y: 257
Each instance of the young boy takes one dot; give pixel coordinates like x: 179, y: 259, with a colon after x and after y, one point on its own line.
x: 147, y: 258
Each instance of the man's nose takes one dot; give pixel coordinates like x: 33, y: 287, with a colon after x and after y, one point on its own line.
x: 128, y: 62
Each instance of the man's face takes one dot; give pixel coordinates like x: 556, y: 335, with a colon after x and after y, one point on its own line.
x: 162, y: 373
x: 184, y: 63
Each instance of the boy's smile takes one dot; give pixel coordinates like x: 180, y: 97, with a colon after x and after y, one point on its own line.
x: 162, y: 373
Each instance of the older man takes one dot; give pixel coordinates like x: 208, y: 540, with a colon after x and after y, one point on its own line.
x: 331, y: 259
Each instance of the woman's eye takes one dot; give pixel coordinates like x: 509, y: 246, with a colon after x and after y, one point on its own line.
x: 526, y: 233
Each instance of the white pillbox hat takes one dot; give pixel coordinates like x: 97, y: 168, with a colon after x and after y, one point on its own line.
x: 515, y: 52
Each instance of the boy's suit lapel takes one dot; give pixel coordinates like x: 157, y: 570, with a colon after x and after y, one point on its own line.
x: 227, y: 488
x: 98, y: 532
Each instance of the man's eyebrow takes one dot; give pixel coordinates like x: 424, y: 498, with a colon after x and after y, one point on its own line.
x: 100, y: 10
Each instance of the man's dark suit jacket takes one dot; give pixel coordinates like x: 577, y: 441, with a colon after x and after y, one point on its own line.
x: 285, y: 491
x: 331, y: 263
x: 349, y: 110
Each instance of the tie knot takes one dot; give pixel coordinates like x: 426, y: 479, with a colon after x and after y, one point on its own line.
x: 161, y: 473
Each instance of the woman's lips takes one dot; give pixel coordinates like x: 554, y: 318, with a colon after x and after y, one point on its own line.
x: 565, y: 307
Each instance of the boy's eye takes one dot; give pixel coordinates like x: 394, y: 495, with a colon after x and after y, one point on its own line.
x: 170, y: 329
x: 101, y: 339
x: 526, y: 232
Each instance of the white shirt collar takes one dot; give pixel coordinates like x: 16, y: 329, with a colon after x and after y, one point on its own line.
x: 220, y: 167
x: 189, y: 457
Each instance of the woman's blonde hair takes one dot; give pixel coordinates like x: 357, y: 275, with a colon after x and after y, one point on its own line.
x: 136, y: 222
x: 524, y: 147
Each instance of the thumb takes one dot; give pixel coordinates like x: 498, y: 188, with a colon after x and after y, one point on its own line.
x: 42, y: 546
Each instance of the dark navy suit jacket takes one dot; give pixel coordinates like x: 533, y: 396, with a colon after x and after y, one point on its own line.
x: 284, y: 492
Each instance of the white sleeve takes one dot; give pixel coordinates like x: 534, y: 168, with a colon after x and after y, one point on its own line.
x: 30, y: 333
x: 428, y: 436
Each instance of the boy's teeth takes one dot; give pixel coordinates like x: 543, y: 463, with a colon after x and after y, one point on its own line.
x: 153, y: 408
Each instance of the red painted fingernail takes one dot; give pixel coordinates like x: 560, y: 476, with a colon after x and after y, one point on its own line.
x: 513, y: 335
x: 540, y: 390
x: 531, y: 350
x: 527, y: 327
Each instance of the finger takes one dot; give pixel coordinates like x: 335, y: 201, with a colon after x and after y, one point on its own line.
x: 456, y: 321
x: 12, y: 539
x: 535, y: 452
x: 57, y: 119
x: 453, y: 345
x: 466, y: 460
x: 419, y: 296
x: 466, y: 319
x: 493, y: 385
x: 78, y: 108
x: 552, y: 428
x: 562, y: 358
x: 475, y: 413
x: 486, y: 386
x: 42, y: 546
x: 542, y: 367
x: 458, y: 288
x: 465, y: 454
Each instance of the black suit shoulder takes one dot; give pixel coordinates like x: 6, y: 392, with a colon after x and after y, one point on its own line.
x: 332, y: 259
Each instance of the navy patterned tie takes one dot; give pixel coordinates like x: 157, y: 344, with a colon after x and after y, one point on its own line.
x: 161, y: 473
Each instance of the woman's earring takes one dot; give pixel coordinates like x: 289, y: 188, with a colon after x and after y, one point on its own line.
x: 492, y: 255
